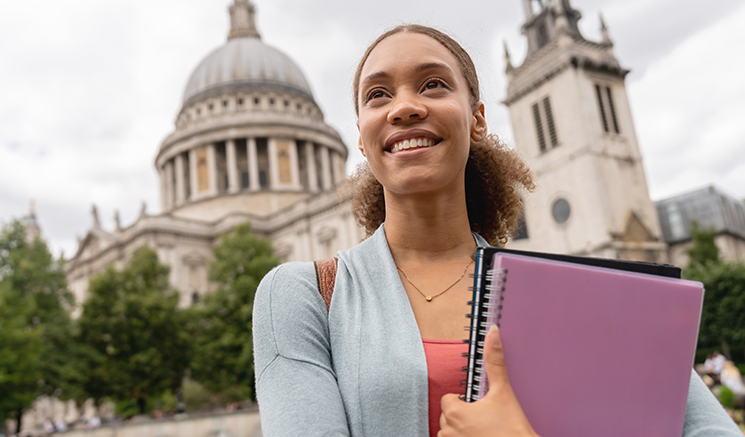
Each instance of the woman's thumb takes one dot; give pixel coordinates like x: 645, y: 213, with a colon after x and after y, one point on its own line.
x: 496, y: 371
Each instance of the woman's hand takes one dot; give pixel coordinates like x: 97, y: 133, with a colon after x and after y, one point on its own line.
x: 496, y: 414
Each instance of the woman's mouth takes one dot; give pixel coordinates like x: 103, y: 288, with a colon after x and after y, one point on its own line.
x: 412, y: 143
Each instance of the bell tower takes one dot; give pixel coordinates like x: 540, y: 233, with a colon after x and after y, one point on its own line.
x: 572, y: 123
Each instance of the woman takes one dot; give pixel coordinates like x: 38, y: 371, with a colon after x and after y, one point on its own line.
x: 435, y: 186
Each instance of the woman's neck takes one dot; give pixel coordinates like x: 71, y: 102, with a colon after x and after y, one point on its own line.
x: 428, y: 228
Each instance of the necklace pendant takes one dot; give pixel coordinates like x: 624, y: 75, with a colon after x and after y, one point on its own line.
x: 429, y: 298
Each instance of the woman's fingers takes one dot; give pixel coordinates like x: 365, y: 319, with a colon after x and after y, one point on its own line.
x: 494, y: 364
x: 498, y: 413
x: 448, y: 400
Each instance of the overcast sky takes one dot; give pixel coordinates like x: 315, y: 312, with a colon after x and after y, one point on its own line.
x: 89, y: 88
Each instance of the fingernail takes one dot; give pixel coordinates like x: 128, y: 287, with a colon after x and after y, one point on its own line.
x: 495, y: 339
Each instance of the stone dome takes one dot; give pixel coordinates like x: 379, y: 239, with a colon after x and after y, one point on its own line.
x: 244, y: 61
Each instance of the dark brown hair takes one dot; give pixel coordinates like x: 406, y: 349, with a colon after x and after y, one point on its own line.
x: 495, y: 174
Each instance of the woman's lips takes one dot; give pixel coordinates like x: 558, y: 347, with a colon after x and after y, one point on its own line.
x: 411, y: 139
x: 413, y: 143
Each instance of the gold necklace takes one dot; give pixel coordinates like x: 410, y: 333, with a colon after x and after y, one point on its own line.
x: 429, y: 298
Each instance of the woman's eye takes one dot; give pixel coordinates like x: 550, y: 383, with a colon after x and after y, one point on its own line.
x: 375, y: 94
x: 433, y: 84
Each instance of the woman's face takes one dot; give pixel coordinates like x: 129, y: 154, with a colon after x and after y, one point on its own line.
x: 416, y: 118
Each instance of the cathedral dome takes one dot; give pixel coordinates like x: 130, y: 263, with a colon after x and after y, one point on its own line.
x: 250, y: 137
x: 244, y: 61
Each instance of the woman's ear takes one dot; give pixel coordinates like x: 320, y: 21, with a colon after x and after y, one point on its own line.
x: 478, y: 128
x: 359, y: 141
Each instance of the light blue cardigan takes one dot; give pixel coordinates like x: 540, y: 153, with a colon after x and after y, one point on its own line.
x: 360, y: 369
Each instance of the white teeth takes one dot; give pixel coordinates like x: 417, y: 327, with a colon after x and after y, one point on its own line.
x: 411, y: 143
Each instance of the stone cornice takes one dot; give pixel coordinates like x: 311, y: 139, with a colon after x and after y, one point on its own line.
x: 554, y: 59
x: 254, y: 125
x: 250, y: 87
x: 167, y: 224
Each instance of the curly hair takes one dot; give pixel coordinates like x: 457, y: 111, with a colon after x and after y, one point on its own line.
x: 495, y: 175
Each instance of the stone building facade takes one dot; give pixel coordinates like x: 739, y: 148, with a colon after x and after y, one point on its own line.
x: 572, y: 123
x: 250, y: 144
x: 711, y: 209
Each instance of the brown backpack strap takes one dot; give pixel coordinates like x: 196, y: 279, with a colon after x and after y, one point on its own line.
x: 326, y: 277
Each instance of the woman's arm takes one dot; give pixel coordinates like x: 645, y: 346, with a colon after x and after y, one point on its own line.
x: 704, y: 414
x: 295, y: 382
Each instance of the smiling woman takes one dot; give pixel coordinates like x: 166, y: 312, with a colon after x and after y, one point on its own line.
x: 493, y: 173
x: 384, y: 358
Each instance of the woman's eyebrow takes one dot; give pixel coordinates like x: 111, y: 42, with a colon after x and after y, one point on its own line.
x: 418, y: 69
x: 374, y: 76
x: 432, y: 66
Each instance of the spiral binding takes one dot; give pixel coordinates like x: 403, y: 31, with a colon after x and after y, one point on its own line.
x: 486, y: 310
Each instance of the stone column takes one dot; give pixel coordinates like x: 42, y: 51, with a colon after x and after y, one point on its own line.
x: 163, y: 200
x: 212, y: 165
x: 180, y: 183
x: 232, y: 164
x: 338, y: 169
x: 169, y: 184
x: 326, y: 169
x: 253, y: 165
x: 295, y: 167
x: 310, y: 159
x: 193, y: 175
x: 273, y: 176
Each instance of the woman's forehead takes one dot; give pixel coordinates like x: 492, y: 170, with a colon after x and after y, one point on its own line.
x: 408, y: 49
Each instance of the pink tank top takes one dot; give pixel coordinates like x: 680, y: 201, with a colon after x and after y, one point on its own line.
x: 445, y: 363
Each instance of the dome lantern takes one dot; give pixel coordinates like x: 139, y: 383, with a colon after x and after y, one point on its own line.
x: 243, y: 20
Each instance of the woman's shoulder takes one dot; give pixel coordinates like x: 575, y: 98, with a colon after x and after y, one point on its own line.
x: 287, y: 283
x: 289, y: 273
x: 289, y: 292
x: 289, y: 316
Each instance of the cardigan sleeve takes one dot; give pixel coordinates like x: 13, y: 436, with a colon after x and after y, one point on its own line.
x: 296, y: 384
x: 704, y: 414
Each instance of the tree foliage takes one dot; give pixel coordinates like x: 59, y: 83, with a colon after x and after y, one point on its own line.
x: 21, y: 349
x: 132, y: 322
x: 723, y: 315
x: 704, y: 249
x: 221, y: 323
x: 35, y: 326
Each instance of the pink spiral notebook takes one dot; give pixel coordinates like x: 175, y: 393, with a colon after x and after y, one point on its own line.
x: 589, y: 351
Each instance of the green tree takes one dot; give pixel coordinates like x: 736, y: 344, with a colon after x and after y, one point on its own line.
x: 132, y: 321
x: 35, y: 326
x: 21, y: 350
x: 704, y: 249
x: 723, y: 315
x: 221, y: 323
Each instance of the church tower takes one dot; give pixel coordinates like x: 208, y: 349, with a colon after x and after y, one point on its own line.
x: 572, y: 123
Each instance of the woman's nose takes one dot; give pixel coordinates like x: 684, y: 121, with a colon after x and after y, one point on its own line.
x: 406, y: 108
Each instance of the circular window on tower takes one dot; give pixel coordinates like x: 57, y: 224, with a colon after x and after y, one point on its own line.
x: 561, y: 210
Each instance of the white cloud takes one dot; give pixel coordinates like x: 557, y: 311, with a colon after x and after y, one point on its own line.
x: 90, y: 89
x: 689, y: 110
